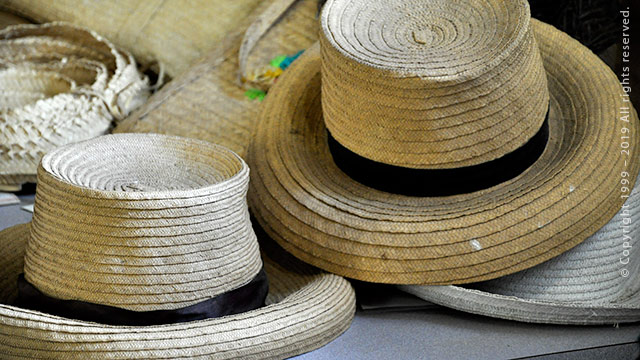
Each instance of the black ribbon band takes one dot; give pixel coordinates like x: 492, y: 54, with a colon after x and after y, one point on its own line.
x: 248, y: 297
x: 439, y: 182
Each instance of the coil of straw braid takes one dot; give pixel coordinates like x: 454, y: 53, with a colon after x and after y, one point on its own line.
x: 147, y: 29
x: 431, y: 85
x: 61, y: 84
x: 115, y: 226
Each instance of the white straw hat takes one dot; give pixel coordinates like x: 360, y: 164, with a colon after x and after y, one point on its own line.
x: 597, y: 282
x: 130, y: 230
x: 60, y: 84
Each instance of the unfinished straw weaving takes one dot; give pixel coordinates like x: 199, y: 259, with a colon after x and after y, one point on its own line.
x: 593, y: 283
x: 208, y: 101
x: 61, y: 84
x: 325, y: 217
x: 114, y: 226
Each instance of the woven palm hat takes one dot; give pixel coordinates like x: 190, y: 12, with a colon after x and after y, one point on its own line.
x: 596, y: 282
x: 61, y: 84
x: 435, y: 96
x: 130, y: 230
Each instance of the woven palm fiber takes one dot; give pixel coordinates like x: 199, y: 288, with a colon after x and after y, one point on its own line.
x: 60, y: 84
x: 596, y: 282
x: 324, y: 217
x: 172, y: 33
x: 116, y: 227
x: 208, y: 102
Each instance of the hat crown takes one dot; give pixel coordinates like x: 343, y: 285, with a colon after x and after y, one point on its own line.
x: 431, y: 84
x: 141, y: 222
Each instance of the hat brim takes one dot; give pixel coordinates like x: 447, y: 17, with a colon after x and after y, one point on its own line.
x: 327, y: 219
x: 306, y: 308
x: 526, y: 310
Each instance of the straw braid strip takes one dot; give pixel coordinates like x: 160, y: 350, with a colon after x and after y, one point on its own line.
x: 325, y: 218
x: 306, y: 310
x: 158, y: 258
x: 62, y: 84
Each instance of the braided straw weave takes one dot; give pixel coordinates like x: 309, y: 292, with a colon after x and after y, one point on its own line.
x: 207, y: 102
x: 585, y: 285
x: 437, y: 90
x: 114, y: 226
x: 61, y: 84
x: 322, y: 216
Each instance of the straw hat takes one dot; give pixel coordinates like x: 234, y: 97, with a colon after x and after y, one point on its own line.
x: 596, y: 282
x: 123, y: 238
x: 447, y: 101
x: 61, y: 84
x: 208, y: 101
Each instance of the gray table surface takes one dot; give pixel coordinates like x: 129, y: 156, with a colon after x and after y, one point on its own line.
x: 432, y: 332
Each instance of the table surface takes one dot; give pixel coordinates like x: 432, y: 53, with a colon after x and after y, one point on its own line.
x: 424, y: 331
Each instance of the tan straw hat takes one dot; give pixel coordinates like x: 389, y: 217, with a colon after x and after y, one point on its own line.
x: 208, y: 101
x: 442, y: 164
x: 60, y: 84
x: 596, y: 282
x: 141, y: 247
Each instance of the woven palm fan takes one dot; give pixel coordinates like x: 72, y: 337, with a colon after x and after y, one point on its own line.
x: 208, y: 101
x: 61, y: 84
x: 173, y: 33
x: 143, y: 257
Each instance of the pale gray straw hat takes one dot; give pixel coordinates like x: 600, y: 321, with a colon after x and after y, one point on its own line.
x: 142, y: 223
x: 597, y: 282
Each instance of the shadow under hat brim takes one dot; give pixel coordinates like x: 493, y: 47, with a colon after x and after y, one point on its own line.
x: 306, y: 309
x: 323, y: 217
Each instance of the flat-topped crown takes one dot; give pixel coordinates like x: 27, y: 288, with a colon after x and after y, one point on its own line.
x: 141, y: 222
x: 431, y: 84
